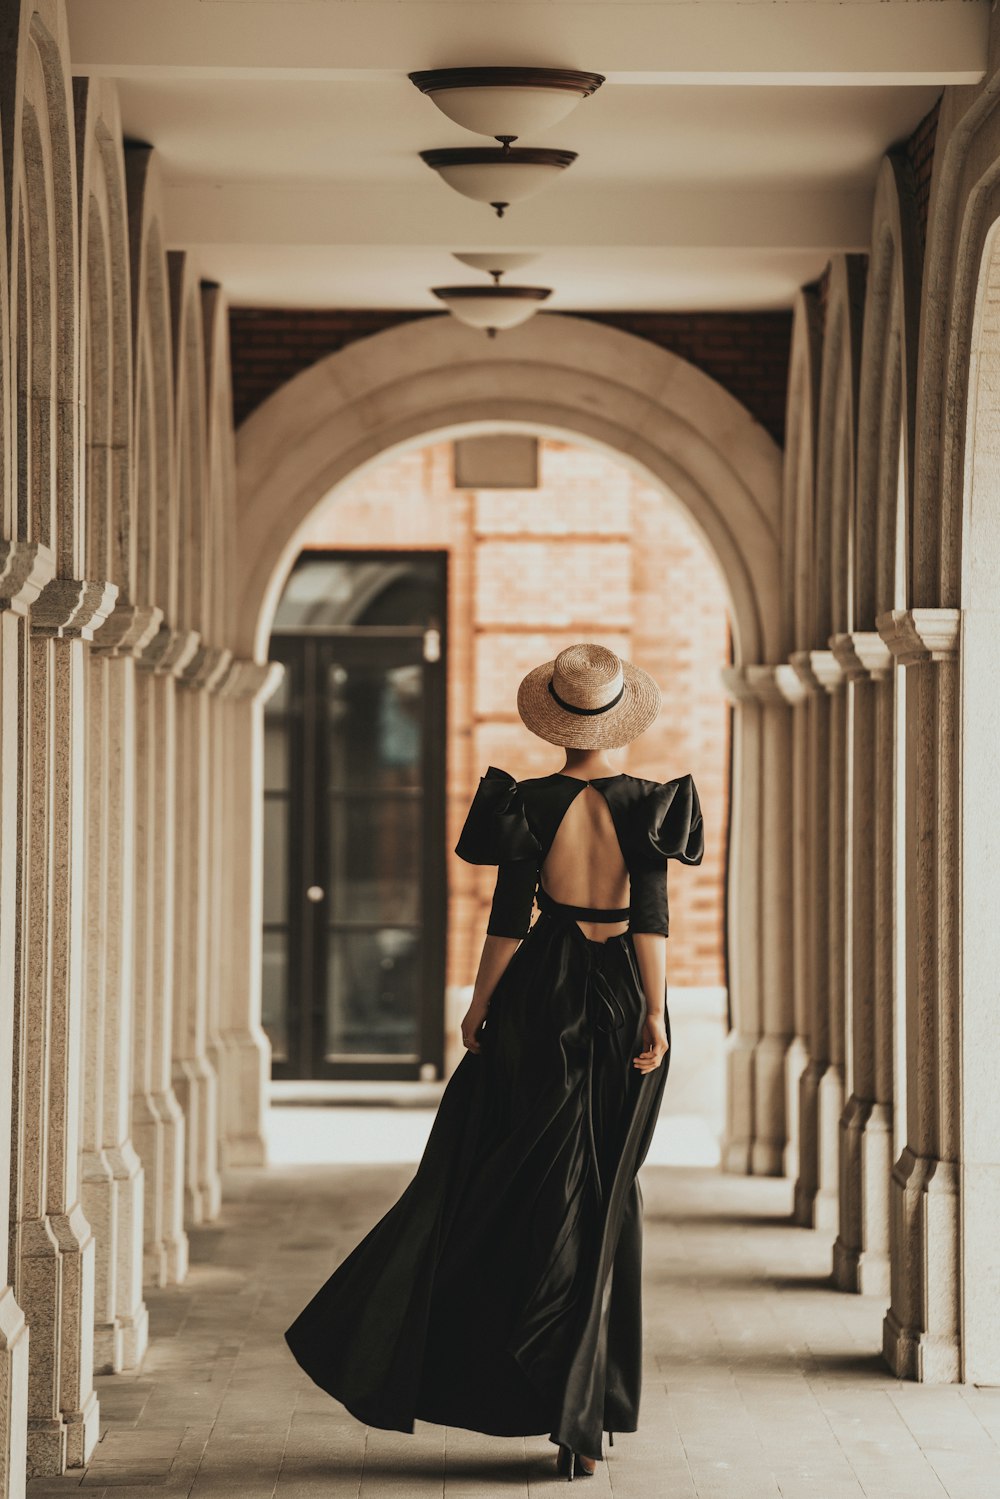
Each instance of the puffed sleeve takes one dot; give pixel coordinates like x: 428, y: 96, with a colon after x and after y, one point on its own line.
x: 496, y: 831
x: 667, y: 825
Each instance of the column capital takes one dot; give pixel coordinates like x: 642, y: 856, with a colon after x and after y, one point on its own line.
x: 73, y: 608
x: 735, y: 685
x: 129, y: 630
x: 25, y: 568
x: 862, y: 653
x: 817, y: 670
x: 205, y: 671
x: 769, y: 685
x: 170, y: 650
x: 256, y: 680
x: 918, y: 635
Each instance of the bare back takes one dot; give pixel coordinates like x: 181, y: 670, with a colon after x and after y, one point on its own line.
x: 584, y: 865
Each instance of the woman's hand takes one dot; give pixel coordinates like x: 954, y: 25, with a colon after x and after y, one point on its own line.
x: 472, y: 1020
x: 655, y: 1044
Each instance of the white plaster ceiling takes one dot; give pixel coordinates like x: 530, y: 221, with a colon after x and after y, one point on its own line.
x: 733, y: 148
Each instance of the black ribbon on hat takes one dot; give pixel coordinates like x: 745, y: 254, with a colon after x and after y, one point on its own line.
x: 587, y: 712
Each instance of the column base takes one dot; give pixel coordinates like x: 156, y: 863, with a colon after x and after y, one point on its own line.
x: 920, y: 1334
x: 45, y: 1445
x: 130, y: 1313
x: 100, y: 1199
x: 76, y: 1352
x: 82, y: 1431
x: 13, y: 1396
x: 767, y: 1153
x: 737, y: 1145
x: 821, y: 1102
x: 195, y: 1085
x: 247, y: 1062
x: 171, y: 1249
x: 861, y: 1254
x: 796, y: 1062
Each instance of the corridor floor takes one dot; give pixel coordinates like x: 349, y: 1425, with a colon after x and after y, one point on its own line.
x: 760, y: 1380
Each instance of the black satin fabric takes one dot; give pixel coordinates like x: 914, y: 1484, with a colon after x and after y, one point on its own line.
x: 501, y: 1292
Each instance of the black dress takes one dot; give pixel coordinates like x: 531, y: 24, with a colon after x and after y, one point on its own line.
x: 501, y: 1292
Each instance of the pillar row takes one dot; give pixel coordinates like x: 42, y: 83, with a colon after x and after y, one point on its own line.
x: 821, y: 1085
x: 921, y: 1332
x: 53, y: 1239
x: 25, y: 568
x: 757, y: 1130
x: 158, y: 1124
x: 861, y: 1252
x: 245, y: 1052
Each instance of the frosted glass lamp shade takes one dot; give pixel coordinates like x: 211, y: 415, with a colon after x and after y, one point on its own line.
x: 490, y: 174
x: 492, y: 307
x: 507, y: 103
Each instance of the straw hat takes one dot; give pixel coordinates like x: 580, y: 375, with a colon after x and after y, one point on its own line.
x: 588, y: 698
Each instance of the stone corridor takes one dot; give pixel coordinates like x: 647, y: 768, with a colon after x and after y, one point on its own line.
x: 761, y: 1380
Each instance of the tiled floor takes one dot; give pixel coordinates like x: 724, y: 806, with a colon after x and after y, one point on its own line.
x: 760, y: 1382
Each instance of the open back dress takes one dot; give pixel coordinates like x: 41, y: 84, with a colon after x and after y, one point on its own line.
x: 501, y: 1292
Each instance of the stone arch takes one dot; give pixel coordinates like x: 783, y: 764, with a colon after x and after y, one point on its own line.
x: 835, y: 450
x: 800, y: 471
x: 106, y: 356
x: 556, y: 373
x: 153, y: 385
x: 887, y: 398
x: 190, y: 418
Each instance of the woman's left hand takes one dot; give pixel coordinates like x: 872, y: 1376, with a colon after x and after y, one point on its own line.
x: 473, y: 1019
x: 655, y: 1045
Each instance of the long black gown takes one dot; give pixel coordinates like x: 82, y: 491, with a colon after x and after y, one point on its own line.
x: 501, y: 1292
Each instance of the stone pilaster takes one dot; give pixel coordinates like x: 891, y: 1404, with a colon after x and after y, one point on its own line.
x: 861, y: 1252
x: 55, y: 1245
x: 772, y: 889
x: 158, y: 1124
x: 195, y: 1080
x: 821, y: 1085
x: 113, y: 1180
x: 743, y: 895
x: 921, y: 1333
x: 790, y: 684
x: 24, y: 570
x: 245, y: 1049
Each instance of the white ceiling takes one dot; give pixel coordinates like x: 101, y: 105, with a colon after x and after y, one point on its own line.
x: 733, y: 148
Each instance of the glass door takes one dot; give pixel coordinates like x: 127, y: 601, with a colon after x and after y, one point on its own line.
x: 354, y: 849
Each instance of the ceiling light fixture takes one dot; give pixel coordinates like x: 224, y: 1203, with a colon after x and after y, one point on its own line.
x: 495, y: 263
x: 498, y: 175
x: 506, y: 103
x: 492, y: 307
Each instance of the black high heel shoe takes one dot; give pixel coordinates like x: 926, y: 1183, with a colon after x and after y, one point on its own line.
x: 570, y: 1465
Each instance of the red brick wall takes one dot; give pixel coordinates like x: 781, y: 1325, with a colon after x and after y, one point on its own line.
x: 594, y: 553
x: 747, y: 352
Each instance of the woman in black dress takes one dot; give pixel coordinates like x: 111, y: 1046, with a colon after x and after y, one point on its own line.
x: 501, y: 1292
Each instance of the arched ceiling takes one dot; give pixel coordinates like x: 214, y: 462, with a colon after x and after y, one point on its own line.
x: 733, y: 149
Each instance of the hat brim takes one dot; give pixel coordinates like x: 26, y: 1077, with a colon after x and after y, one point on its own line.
x: 631, y: 716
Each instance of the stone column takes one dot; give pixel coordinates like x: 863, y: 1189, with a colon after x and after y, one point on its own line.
x: 25, y: 568
x: 743, y: 921
x: 821, y: 1085
x: 195, y: 1081
x: 774, y: 882
x: 921, y: 1333
x: 55, y: 1246
x: 795, y: 804
x: 861, y: 1253
x: 112, y: 1171
x: 245, y: 1049
x: 158, y: 1126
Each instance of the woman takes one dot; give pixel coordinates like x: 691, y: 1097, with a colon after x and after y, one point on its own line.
x: 502, y: 1291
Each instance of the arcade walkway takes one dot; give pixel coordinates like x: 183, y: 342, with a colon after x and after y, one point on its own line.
x: 761, y: 1381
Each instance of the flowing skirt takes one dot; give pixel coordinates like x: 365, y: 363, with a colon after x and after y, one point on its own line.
x: 501, y: 1292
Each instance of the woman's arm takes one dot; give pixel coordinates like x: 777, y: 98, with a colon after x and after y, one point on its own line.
x: 651, y: 952
x: 497, y: 953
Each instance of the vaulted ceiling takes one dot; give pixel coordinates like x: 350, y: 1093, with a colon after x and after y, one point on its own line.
x: 733, y: 147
